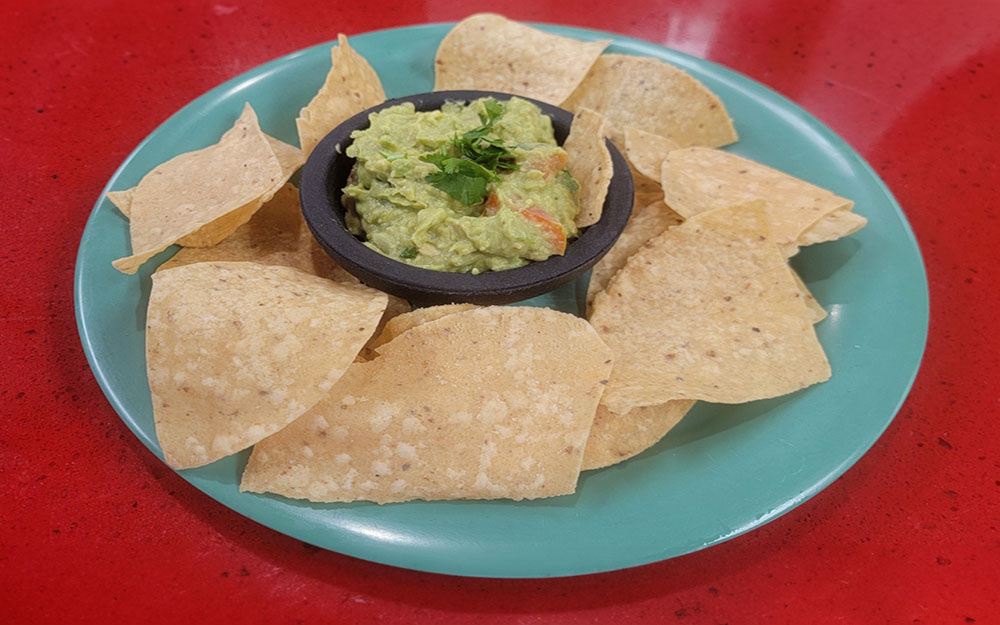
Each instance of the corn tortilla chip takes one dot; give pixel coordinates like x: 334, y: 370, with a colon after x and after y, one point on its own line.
x: 647, y: 190
x: 351, y: 86
x: 707, y: 310
x: 236, y: 351
x: 646, y: 222
x: 276, y: 235
x: 816, y: 312
x: 192, y: 190
x: 836, y: 225
x: 482, y: 404
x: 646, y: 151
x: 403, y: 322
x: 488, y: 51
x: 590, y: 164
x: 653, y: 96
x: 696, y: 180
x: 614, y: 438
x: 290, y: 158
x: 122, y: 200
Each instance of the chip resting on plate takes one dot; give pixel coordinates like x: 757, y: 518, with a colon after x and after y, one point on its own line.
x: 646, y: 151
x: 401, y: 323
x: 236, y: 351
x: 289, y: 157
x: 816, y: 312
x: 276, y: 235
x: 615, y: 438
x: 653, y: 96
x: 201, y: 197
x: 589, y: 164
x: 836, y: 225
x: 351, y: 86
x: 645, y: 223
x: 696, y: 180
x: 707, y: 310
x: 487, y: 403
x: 487, y: 51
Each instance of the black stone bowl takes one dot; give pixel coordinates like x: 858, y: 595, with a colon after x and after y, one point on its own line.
x: 325, y: 175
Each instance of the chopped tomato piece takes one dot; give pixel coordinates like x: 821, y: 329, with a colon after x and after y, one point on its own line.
x: 492, y: 205
x: 549, y: 166
x: 553, y: 230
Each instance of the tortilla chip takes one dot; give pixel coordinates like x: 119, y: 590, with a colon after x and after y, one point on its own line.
x: 193, y: 190
x: 483, y: 404
x: 276, y: 235
x: 351, y: 87
x: 696, y: 180
x: 487, y: 51
x: 816, y: 312
x: 403, y: 322
x: 236, y: 351
x: 646, y: 151
x: 653, y: 96
x: 646, y: 222
x: 290, y: 158
x: 836, y: 225
x: 590, y: 164
x: 122, y: 200
x: 647, y: 190
x: 614, y: 438
x: 707, y: 310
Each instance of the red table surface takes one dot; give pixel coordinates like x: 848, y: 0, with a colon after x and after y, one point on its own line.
x: 93, y: 528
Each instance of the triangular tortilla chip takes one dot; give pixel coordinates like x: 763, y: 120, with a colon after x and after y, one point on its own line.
x: 653, y: 96
x: 351, y: 86
x: 696, y: 180
x: 707, y: 310
x: 276, y: 235
x: 615, y: 438
x: 236, y: 351
x: 401, y: 323
x: 289, y: 157
x: 816, y: 312
x: 646, y: 151
x: 122, y: 200
x: 836, y: 225
x: 590, y: 164
x: 488, y: 51
x: 193, y: 190
x: 646, y: 222
x: 483, y: 404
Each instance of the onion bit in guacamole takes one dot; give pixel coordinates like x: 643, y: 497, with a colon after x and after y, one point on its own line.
x: 468, y: 188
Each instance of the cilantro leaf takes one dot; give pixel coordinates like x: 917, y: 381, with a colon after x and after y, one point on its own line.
x: 470, y: 161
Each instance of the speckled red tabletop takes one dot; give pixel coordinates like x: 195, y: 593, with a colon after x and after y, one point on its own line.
x: 93, y: 528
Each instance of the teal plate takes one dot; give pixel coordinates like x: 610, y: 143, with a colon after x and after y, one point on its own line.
x: 723, y: 471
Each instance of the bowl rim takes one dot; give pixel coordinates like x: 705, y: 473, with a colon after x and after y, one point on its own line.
x: 320, y: 199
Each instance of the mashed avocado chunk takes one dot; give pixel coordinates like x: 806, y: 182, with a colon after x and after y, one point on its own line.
x: 468, y: 188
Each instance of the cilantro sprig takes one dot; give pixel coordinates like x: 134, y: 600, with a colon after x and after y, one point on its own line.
x: 470, y: 161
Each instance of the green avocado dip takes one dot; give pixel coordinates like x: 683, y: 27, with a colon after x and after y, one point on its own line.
x: 468, y: 188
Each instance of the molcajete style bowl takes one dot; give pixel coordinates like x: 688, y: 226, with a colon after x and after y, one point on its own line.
x: 321, y: 191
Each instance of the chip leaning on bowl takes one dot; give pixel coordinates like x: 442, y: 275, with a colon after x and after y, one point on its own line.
x: 468, y: 188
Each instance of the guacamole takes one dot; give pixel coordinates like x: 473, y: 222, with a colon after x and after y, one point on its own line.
x: 468, y: 188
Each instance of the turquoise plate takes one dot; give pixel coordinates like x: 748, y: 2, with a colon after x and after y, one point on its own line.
x: 724, y: 471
